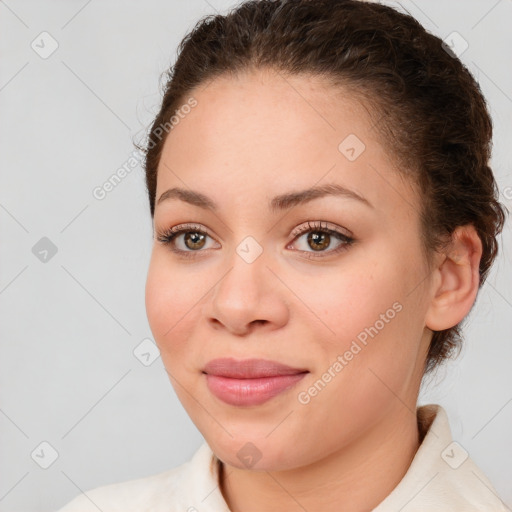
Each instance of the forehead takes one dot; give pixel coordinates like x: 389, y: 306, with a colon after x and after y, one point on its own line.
x: 267, y: 132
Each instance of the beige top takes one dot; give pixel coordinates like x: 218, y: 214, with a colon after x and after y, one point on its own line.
x: 442, y: 477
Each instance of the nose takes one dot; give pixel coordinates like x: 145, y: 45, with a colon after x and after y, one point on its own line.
x: 248, y: 297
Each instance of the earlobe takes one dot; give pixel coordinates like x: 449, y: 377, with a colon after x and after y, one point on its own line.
x: 458, y: 280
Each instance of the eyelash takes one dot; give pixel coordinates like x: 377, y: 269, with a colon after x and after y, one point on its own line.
x: 167, y: 237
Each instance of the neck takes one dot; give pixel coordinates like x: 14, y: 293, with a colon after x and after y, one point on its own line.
x: 355, y: 478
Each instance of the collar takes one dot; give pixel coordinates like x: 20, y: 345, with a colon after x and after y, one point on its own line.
x: 441, y: 475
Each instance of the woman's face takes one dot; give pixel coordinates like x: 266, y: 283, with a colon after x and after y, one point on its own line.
x: 351, y: 316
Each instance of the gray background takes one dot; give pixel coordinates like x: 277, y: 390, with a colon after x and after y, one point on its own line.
x: 70, y: 325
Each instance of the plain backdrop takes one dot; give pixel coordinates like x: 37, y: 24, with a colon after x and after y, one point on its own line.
x: 80, y: 404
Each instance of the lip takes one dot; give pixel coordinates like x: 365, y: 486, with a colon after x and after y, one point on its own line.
x: 249, y: 381
x: 249, y: 368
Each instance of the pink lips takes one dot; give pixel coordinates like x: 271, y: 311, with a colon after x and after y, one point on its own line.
x: 249, y: 381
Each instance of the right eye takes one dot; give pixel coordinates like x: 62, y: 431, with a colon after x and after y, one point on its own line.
x: 194, y: 239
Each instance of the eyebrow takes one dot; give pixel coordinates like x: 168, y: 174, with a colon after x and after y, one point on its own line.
x: 278, y: 203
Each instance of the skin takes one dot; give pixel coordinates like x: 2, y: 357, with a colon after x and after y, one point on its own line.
x: 248, y: 139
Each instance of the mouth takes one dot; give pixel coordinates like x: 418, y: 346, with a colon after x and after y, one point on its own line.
x: 250, y: 381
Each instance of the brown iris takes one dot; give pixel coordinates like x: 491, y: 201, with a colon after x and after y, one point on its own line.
x: 197, y: 240
x: 320, y: 239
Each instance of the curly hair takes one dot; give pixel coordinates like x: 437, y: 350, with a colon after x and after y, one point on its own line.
x: 425, y: 104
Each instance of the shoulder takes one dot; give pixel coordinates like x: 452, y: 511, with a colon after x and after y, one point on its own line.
x: 442, y: 475
x: 137, y: 494
x: 166, y: 491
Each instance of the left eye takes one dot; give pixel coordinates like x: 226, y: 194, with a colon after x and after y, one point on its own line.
x: 319, y: 237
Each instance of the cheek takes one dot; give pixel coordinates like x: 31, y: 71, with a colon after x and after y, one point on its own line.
x: 378, y: 330
x: 368, y: 317
x: 345, y: 301
x: 171, y: 296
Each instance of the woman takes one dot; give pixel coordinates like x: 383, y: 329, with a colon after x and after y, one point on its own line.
x: 324, y: 217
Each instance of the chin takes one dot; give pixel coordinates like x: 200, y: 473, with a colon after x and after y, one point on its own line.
x: 245, y: 452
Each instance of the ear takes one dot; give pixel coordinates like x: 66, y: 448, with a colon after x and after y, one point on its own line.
x: 456, y: 280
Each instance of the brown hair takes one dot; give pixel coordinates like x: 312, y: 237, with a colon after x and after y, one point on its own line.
x: 428, y: 107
